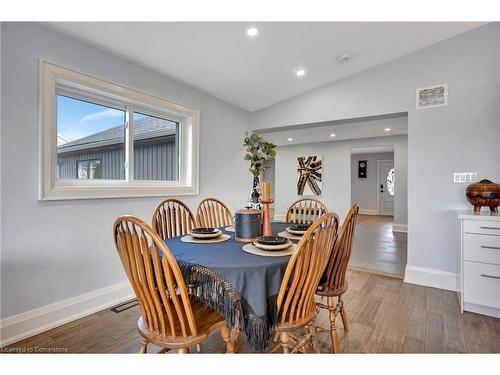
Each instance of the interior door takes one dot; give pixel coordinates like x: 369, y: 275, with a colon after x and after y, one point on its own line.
x: 386, y: 187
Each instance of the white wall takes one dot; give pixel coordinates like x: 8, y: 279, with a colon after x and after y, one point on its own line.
x: 52, y: 251
x: 364, y: 190
x: 463, y: 136
x: 336, y: 173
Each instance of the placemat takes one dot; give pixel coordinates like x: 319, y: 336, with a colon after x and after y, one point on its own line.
x: 189, y: 238
x: 250, y: 248
x: 290, y: 236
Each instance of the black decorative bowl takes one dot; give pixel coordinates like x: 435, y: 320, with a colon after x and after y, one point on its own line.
x: 205, y: 233
x: 300, y: 227
x: 204, y: 230
x: 271, y: 240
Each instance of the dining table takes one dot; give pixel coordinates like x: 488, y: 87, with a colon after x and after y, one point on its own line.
x: 242, y: 287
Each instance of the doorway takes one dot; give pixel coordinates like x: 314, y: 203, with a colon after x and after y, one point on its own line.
x: 377, y: 247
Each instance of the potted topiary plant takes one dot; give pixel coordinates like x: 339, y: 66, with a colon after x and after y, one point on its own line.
x: 259, y: 151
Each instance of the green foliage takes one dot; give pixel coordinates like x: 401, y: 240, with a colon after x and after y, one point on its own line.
x: 258, y: 152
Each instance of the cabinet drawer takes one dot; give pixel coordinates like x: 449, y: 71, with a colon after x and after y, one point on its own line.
x: 482, y: 248
x: 482, y: 284
x: 482, y: 227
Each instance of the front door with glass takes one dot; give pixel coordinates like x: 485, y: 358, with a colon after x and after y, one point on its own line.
x: 386, y: 187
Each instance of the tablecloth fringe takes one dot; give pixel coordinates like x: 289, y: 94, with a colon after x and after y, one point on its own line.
x: 213, y: 290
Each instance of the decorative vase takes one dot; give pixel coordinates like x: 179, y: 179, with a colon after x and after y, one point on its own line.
x: 484, y: 193
x: 247, y: 225
x: 254, y: 197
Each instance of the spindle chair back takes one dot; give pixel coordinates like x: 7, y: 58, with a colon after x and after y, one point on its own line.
x: 337, y: 266
x: 213, y: 213
x: 305, y: 211
x: 172, y: 218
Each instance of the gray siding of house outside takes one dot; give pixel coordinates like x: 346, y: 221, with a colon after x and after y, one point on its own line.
x: 155, y: 160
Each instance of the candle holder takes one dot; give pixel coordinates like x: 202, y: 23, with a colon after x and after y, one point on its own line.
x: 266, y: 218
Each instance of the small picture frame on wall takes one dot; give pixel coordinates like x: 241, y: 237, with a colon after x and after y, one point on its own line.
x: 432, y: 96
x: 362, y: 164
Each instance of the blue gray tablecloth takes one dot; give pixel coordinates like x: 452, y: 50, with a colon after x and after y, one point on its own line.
x: 241, y: 286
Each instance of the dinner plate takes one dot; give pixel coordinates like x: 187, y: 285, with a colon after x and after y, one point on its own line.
x: 250, y: 248
x: 205, y: 233
x: 298, y: 230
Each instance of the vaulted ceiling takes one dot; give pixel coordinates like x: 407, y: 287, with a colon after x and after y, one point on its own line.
x: 255, y: 72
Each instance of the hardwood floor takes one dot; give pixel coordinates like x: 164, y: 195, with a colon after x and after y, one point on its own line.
x: 385, y: 314
x: 376, y: 247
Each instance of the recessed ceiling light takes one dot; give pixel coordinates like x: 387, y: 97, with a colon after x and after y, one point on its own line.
x: 300, y: 72
x: 252, y: 31
x: 332, y: 135
x: 290, y: 139
x: 387, y: 129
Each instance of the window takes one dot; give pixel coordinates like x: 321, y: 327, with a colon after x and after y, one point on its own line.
x: 101, y: 140
x: 88, y: 169
x: 390, y: 182
x: 88, y: 132
x: 155, y: 148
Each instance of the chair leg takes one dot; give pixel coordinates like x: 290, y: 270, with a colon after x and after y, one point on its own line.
x: 276, y: 342
x: 198, y: 348
x: 299, y: 345
x: 183, y: 351
x: 144, y: 346
x: 235, y: 335
x: 333, y: 328
x: 343, y: 314
x: 312, y: 339
x: 224, y: 332
x: 285, y: 341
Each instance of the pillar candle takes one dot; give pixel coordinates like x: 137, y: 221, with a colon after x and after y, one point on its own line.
x: 266, y: 191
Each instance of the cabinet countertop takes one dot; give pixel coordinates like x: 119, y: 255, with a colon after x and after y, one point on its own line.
x: 483, y: 215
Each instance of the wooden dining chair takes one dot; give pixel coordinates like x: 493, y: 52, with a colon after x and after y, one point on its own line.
x: 334, y: 283
x: 305, y: 211
x: 295, y: 304
x: 213, y: 213
x: 172, y: 218
x: 169, y: 317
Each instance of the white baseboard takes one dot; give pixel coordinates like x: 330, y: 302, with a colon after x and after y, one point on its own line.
x: 483, y: 310
x: 30, y: 323
x: 364, y: 211
x: 403, y: 228
x: 431, y: 277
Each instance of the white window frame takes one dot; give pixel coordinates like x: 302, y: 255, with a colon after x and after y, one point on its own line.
x: 55, y: 79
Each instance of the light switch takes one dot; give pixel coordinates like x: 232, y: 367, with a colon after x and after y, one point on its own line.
x: 464, y: 177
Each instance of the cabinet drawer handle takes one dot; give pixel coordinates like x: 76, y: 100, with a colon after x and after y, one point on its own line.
x: 490, y: 247
x: 490, y: 228
x: 490, y: 276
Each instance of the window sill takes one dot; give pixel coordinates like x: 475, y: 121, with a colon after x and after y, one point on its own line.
x: 124, y: 191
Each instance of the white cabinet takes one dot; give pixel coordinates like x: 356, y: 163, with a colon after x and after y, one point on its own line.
x: 479, y: 284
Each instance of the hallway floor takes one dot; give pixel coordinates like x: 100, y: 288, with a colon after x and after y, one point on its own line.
x: 377, y: 248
